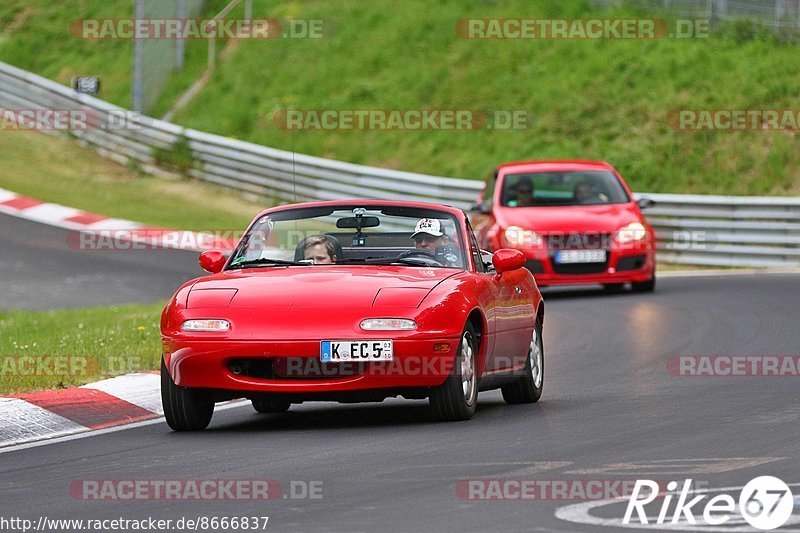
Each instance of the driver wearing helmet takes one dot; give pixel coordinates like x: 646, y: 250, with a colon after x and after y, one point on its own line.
x: 428, y: 235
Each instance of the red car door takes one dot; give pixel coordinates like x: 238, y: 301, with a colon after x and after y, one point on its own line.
x: 506, y: 301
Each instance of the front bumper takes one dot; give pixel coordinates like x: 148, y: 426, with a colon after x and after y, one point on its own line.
x: 623, y: 265
x: 293, y: 367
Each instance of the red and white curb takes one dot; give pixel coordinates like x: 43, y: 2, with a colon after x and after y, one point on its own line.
x: 105, y: 232
x: 58, y: 215
x: 35, y: 416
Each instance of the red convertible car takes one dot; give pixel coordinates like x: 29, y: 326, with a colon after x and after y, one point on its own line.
x: 576, y: 222
x: 352, y: 301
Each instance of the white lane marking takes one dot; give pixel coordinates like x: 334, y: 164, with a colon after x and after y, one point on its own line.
x: 21, y: 421
x: 733, y: 272
x: 7, y: 195
x: 709, y: 465
x: 142, y: 389
x: 114, y: 223
x: 94, y: 433
x: 579, y: 513
x: 23, y: 215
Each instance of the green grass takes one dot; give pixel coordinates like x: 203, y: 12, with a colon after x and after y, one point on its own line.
x: 592, y: 99
x: 38, y: 36
x: 55, y: 349
x: 55, y: 169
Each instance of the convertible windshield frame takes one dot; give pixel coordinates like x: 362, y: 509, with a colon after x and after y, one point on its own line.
x: 384, y: 256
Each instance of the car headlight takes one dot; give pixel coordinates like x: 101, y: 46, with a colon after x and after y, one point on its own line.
x: 206, y: 325
x: 520, y: 237
x: 634, y: 231
x: 387, y: 324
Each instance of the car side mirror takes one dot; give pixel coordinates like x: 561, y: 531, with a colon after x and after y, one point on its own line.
x: 644, y: 203
x: 506, y: 260
x: 483, y: 208
x: 213, y: 261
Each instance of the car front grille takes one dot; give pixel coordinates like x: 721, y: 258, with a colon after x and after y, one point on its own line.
x: 282, y: 368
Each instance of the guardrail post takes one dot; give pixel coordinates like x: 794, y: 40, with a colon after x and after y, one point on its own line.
x: 180, y: 44
x: 138, y: 63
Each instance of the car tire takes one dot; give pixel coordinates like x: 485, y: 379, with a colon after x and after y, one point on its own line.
x: 456, y: 398
x: 185, y: 409
x: 271, y: 406
x: 644, y: 286
x: 528, y: 388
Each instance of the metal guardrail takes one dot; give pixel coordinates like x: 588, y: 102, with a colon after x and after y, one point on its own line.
x: 691, y: 229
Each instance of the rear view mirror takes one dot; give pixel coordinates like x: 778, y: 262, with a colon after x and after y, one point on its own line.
x: 358, y: 222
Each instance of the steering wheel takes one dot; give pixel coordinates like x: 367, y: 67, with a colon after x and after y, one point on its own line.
x: 425, y: 255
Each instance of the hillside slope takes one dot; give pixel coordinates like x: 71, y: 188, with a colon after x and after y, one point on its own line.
x: 609, y: 100
x: 599, y: 99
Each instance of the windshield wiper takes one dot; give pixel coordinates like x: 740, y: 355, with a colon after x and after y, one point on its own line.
x: 266, y: 261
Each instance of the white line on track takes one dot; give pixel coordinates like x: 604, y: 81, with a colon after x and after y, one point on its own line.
x: 94, y: 433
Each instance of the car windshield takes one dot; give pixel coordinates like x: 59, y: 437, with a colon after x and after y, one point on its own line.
x: 542, y: 189
x: 352, y: 235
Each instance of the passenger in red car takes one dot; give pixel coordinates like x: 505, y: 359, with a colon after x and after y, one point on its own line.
x: 585, y: 193
x: 320, y: 250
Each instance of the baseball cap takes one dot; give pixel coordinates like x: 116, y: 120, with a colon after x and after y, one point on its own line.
x: 429, y: 226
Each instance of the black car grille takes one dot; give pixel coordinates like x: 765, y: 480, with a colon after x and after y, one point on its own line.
x: 292, y: 368
x: 634, y: 262
x: 534, y: 266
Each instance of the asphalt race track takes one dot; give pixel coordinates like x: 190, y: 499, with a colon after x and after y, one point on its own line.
x: 610, y: 411
x: 42, y: 271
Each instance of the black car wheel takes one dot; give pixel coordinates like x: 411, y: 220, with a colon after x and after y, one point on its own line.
x: 529, y: 387
x: 185, y: 409
x: 457, y: 397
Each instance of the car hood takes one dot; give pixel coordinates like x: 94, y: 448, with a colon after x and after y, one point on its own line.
x: 583, y: 218
x: 318, y: 286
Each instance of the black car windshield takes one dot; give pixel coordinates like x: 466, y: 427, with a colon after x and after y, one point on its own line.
x: 352, y: 235
x: 541, y: 189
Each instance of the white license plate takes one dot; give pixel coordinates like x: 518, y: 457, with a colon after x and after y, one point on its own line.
x: 581, y: 256
x: 335, y: 351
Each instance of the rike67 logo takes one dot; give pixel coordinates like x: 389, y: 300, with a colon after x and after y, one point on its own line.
x: 765, y: 503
